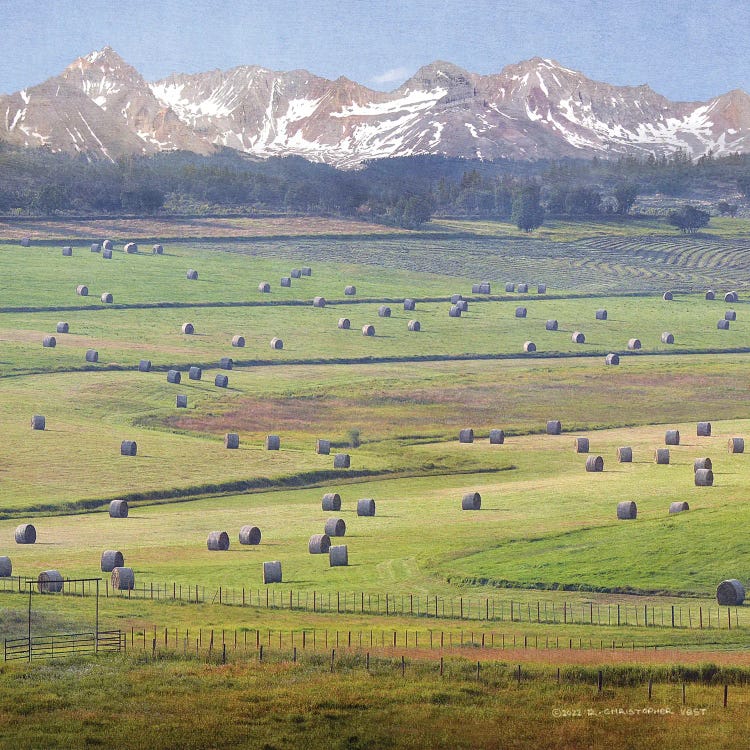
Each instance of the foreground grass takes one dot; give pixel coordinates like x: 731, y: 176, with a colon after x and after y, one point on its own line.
x: 188, y: 704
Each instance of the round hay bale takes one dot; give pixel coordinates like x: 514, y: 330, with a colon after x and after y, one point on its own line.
x: 634, y: 344
x: 736, y: 445
x: 551, y: 325
x: 667, y: 338
x: 63, y: 327
x: 601, y: 314
x: 218, y: 541
x: 541, y: 289
x: 523, y: 288
x: 554, y: 427
x: 238, y: 341
x: 118, y: 509
x: 594, y: 463
x: 520, y: 312
x: 350, y: 290
x: 463, y: 305
x: 730, y: 593
x: 625, y: 454
x: 529, y: 346
x: 107, y: 245
x: 286, y: 281
x: 368, y: 330
x: 703, y: 429
x: 273, y: 442
x: 475, y: 288
x: 231, y: 440
x: 157, y: 249
x: 456, y: 298
x: 25, y: 534
x: 107, y: 298
x: 221, y: 381
x: 672, y: 437
x: 272, y: 572
x: 730, y: 315
x: 612, y: 359
x: 510, y: 287
x: 384, y: 311
x: 578, y: 337
x: 723, y: 325
x: 679, y: 506
x: 264, y: 287
x: 306, y: 271
x: 38, y: 422
x: 131, y: 248
x: 661, y: 456
x: 144, y: 365
x: 702, y: 463
x: 414, y: 325
x: 497, y: 437
x: 335, y: 527
x: 192, y: 274
x: 454, y: 312
x: 128, y: 448
x: 277, y: 343
x: 731, y: 297
x: 188, y: 329
x: 704, y: 478
x: 226, y: 363
x: 410, y: 304
x: 174, y: 376
x: 50, y: 582
x: 82, y: 290
x: 344, y: 324
x: 107, y: 254
x: 6, y: 567
x: 182, y: 401
x: 195, y: 373
x: 366, y: 507
x: 319, y: 302
x: 710, y: 294
x: 67, y: 251
x: 49, y: 341
x: 627, y: 510
x: 667, y: 296
x: 25, y: 242
x: 582, y: 445
x: 92, y: 355
x: 331, y: 501
x: 323, y: 447
x: 122, y: 579
x: 466, y: 435
x: 250, y: 535
x: 338, y: 556
x: 296, y: 273
x: 341, y: 461
x: 111, y: 559
x: 319, y: 544
x: 471, y: 501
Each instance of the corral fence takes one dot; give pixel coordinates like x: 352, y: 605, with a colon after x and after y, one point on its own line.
x: 59, y: 645
x: 479, y: 608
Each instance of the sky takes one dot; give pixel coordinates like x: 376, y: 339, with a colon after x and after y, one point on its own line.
x: 687, y: 50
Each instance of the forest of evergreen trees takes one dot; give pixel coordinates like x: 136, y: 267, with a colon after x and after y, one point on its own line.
x: 404, y: 192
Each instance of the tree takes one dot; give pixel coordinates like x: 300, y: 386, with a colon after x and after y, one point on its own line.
x: 625, y: 195
x: 527, y: 213
x: 689, y: 219
x: 582, y: 201
x: 727, y: 209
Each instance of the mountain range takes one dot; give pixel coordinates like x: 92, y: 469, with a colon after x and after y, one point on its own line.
x: 103, y: 108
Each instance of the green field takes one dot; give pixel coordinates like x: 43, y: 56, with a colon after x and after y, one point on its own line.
x: 547, y: 532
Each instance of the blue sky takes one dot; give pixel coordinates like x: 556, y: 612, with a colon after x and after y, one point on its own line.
x: 684, y: 49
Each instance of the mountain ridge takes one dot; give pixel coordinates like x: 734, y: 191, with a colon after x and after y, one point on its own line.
x: 102, y: 107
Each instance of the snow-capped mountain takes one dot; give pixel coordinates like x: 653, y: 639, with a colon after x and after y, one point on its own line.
x: 103, y: 107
